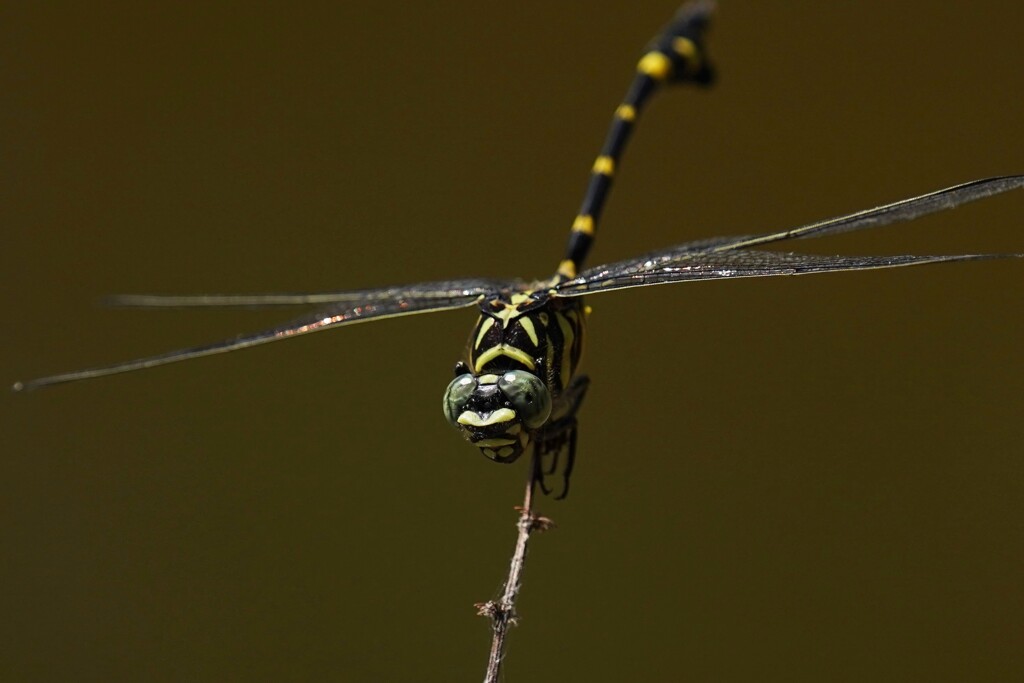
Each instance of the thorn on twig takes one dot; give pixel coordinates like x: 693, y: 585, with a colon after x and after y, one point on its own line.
x: 534, y: 522
x: 496, y: 613
x: 542, y: 524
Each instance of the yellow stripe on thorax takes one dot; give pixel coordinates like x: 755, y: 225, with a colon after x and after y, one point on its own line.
x: 485, y: 325
x: 530, y: 330
x: 568, y: 337
x: 506, y: 350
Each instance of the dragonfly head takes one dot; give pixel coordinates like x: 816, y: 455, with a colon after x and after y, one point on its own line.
x: 498, y: 412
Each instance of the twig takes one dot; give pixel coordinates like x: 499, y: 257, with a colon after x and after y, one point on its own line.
x: 502, y: 613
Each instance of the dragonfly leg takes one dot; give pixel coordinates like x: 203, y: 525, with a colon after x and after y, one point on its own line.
x: 556, y: 444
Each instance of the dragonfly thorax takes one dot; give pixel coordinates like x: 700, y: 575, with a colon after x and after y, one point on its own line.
x: 532, y: 331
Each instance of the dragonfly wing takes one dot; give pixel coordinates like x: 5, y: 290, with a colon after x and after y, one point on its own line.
x: 737, y: 264
x: 417, y: 299
x: 725, y: 257
x: 446, y: 289
x: 903, y: 210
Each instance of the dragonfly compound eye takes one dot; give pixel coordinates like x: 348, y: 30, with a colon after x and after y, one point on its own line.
x: 528, y: 396
x: 457, y: 395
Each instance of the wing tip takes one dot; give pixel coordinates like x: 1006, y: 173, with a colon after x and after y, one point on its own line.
x: 31, y: 385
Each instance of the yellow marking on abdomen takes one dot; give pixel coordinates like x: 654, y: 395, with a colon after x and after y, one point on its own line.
x: 655, y: 65
x: 484, y: 326
x: 504, y: 350
x: 567, y: 269
x: 531, y: 332
x: 583, y: 223
x: 685, y: 48
x: 604, y: 165
x: 626, y: 112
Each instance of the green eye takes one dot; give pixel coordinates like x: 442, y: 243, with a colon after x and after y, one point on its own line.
x: 528, y: 396
x: 456, y: 395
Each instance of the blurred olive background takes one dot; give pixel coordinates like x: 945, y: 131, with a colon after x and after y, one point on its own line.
x: 788, y: 479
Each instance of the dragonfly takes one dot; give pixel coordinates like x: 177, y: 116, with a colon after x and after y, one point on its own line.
x: 517, y: 389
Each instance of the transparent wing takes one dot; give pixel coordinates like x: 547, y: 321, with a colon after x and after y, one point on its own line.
x: 372, y: 305
x: 903, y: 210
x: 723, y: 257
x: 737, y: 264
x: 440, y: 291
